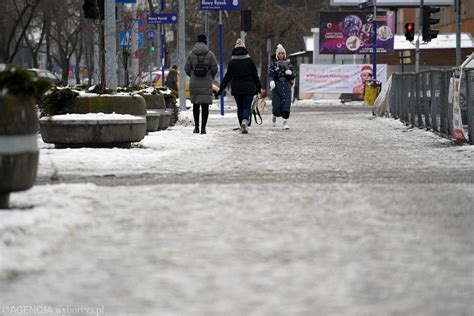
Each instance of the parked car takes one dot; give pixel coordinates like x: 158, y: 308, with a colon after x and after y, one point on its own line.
x: 45, y: 74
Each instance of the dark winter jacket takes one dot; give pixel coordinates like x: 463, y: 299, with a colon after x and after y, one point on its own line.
x: 242, y: 74
x: 201, y: 87
x: 172, y: 79
x: 278, y: 68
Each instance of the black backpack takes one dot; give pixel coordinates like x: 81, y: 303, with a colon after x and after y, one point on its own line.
x: 201, y: 69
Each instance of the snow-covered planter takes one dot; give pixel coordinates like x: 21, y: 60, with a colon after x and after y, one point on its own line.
x: 156, y: 102
x: 94, y: 120
x: 171, y: 104
x: 152, y: 120
x: 18, y: 129
x: 92, y: 130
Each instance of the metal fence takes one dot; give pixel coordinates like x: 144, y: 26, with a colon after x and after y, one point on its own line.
x: 470, y: 104
x: 421, y: 99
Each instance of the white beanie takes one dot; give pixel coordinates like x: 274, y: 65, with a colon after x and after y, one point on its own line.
x: 280, y: 49
x: 239, y: 43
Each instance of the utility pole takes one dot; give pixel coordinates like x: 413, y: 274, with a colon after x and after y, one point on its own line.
x: 182, y: 55
x: 374, y: 39
x: 458, y: 32
x: 420, y: 27
x: 110, y: 45
x: 134, y: 55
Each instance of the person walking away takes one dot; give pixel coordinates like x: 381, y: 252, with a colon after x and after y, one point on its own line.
x: 282, y: 77
x: 172, y: 78
x: 201, y: 67
x: 243, y: 77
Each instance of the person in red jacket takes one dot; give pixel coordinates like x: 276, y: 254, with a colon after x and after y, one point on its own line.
x: 245, y: 84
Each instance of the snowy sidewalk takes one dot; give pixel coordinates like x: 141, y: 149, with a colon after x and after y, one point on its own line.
x: 341, y: 215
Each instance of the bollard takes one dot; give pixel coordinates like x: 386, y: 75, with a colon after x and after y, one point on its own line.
x: 18, y: 146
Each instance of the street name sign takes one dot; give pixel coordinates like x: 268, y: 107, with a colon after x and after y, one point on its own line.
x: 220, y: 4
x: 366, y: 4
x: 162, y: 18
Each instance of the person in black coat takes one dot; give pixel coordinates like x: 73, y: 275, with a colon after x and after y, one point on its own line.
x: 172, y: 78
x: 245, y: 84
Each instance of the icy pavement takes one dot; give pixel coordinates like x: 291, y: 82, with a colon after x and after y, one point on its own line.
x: 341, y: 215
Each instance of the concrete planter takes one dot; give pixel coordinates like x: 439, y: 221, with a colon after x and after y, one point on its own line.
x: 18, y: 146
x: 108, y: 131
x: 165, y: 118
x: 119, y: 104
x: 157, y: 104
x: 64, y: 132
x: 152, y: 120
x: 154, y: 101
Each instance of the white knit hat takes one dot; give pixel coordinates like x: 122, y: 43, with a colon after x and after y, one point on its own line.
x: 239, y: 43
x: 280, y: 49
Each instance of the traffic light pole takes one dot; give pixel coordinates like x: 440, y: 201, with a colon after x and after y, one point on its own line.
x: 420, y: 27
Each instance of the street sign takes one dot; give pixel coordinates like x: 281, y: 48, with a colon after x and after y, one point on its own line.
x: 125, y: 1
x: 150, y: 35
x: 126, y: 39
x: 162, y: 18
x: 220, y: 4
x: 366, y: 4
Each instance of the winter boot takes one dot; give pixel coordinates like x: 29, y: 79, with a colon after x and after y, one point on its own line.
x: 196, y: 130
x: 285, y: 124
x: 243, y: 127
x: 203, y: 130
x: 274, y: 121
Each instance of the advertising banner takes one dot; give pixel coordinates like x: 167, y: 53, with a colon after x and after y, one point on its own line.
x: 352, y: 32
x: 343, y: 79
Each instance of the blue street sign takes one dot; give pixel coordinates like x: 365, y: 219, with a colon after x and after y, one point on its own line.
x: 125, y: 1
x: 220, y: 4
x: 366, y: 4
x: 126, y: 39
x: 150, y: 35
x: 162, y: 18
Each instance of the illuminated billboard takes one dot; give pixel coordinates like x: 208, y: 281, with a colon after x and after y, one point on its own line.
x: 352, y: 32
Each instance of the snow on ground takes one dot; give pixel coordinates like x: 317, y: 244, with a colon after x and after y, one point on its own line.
x: 61, y: 209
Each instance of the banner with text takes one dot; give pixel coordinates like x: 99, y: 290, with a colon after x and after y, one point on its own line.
x: 352, y: 32
x: 350, y: 79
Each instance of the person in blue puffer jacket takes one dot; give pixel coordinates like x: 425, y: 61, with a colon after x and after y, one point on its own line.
x: 282, y: 77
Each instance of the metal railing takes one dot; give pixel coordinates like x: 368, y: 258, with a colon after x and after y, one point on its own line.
x: 421, y: 100
x: 470, y: 104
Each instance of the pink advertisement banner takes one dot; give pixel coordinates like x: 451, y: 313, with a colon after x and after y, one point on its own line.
x: 352, y: 32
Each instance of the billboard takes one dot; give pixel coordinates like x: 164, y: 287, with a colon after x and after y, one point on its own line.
x: 393, y: 3
x: 352, y: 32
x: 316, y: 80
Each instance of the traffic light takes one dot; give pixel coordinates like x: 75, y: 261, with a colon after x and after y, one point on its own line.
x: 93, y: 9
x: 152, y: 47
x: 245, y: 20
x: 427, y: 33
x: 410, y: 31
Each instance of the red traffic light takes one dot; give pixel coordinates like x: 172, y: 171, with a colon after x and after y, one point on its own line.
x: 410, y: 31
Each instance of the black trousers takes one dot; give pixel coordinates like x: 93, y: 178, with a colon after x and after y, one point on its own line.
x: 205, y: 114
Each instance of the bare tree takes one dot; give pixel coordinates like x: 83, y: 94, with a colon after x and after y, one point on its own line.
x: 15, y: 19
x: 66, y: 28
